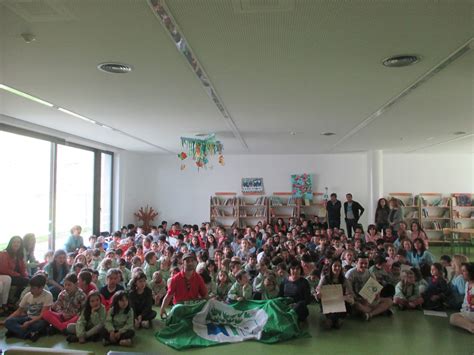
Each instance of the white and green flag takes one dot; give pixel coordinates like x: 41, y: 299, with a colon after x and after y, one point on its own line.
x: 207, y: 323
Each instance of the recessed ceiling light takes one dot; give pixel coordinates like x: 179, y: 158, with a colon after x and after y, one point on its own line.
x: 115, y: 68
x: 459, y: 133
x: 398, y: 61
x: 293, y: 133
x: 327, y: 134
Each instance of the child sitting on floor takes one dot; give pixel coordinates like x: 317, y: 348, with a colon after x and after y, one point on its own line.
x: 158, y: 287
x: 141, y: 301
x: 108, y: 291
x: 241, y: 290
x: 223, y: 285
x: 270, y: 287
x: 84, y: 282
x: 119, y: 322
x: 437, y: 291
x: 407, y: 292
x: 68, y: 306
x: 26, y: 322
x: 90, y: 323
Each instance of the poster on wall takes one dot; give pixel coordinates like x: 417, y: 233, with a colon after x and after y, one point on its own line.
x: 252, y: 185
x: 302, y: 186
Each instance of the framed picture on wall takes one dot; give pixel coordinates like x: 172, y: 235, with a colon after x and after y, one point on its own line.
x: 252, y: 185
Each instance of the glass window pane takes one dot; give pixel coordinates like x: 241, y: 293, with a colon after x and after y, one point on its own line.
x: 74, y: 192
x: 24, y: 189
x: 105, y: 192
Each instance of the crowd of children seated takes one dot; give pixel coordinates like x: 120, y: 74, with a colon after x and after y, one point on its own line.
x: 106, y: 289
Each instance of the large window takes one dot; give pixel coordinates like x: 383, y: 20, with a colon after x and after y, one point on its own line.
x: 105, y: 192
x: 25, y: 189
x: 74, y: 192
x: 47, y: 186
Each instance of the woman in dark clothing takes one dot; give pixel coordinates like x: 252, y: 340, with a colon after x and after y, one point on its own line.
x: 381, y: 215
x: 141, y: 301
x: 297, y: 288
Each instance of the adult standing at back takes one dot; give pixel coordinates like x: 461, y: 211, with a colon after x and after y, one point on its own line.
x: 353, y: 210
x: 333, y: 207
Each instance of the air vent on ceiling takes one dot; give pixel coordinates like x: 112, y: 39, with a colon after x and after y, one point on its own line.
x: 256, y: 6
x: 40, y: 11
x: 115, y: 68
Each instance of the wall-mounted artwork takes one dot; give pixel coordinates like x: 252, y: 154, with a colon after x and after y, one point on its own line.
x: 252, y: 185
x: 302, y: 186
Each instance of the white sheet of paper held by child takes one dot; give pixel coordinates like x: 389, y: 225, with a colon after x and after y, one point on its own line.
x: 370, y: 290
x: 332, y: 299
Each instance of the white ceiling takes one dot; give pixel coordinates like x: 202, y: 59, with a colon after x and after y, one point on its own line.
x: 313, y: 66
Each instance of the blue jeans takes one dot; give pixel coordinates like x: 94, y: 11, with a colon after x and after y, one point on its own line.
x: 14, y: 326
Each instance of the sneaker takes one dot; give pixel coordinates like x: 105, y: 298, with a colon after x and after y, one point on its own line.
x: 401, y: 307
x: 337, y: 324
x: 367, y: 316
x: 72, y: 338
x: 145, y: 324
x: 327, y: 324
x: 389, y: 312
x: 137, y: 324
x: 34, y: 336
x: 125, y: 342
x: 51, y: 331
x: 9, y: 334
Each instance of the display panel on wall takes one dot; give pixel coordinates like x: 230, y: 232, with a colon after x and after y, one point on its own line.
x: 252, y: 185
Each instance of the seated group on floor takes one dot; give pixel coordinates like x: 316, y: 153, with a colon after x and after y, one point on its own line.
x: 106, y: 290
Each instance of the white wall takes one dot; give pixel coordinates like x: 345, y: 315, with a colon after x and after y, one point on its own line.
x: 184, y: 195
x: 134, y: 182
x: 445, y: 173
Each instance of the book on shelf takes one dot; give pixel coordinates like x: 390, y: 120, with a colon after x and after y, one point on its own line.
x: 276, y: 201
x: 462, y: 200
x: 292, y: 201
x: 216, y: 212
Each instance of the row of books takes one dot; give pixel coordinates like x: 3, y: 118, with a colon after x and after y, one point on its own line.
x: 277, y: 201
x: 436, y: 225
x: 258, y: 212
x: 216, y: 201
x: 458, y: 214
x: 261, y: 201
x: 216, y: 212
x: 462, y: 200
x: 426, y: 213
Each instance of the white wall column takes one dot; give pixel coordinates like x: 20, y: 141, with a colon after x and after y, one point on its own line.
x: 375, y: 181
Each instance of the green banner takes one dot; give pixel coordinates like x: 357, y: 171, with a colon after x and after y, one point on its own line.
x: 208, y: 323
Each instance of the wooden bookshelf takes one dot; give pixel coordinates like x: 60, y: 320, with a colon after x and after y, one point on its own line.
x: 462, y: 210
x: 411, y: 209
x: 224, y: 210
x: 282, y: 205
x: 317, y: 207
x: 435, y: 214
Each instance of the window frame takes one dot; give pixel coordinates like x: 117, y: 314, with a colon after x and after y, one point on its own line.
x: 55, y: 141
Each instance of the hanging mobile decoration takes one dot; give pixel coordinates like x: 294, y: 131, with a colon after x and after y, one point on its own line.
x: 200, y: 149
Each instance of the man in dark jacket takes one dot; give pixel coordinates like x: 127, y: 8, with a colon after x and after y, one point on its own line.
x: 353, y: 210
x: 333, y: 207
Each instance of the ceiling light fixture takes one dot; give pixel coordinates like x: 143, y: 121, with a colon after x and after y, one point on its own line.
x: 450, y: 59
x: 399, y: 61
x: 35, y: 99
x: 25, y: 95
x: 459, y: 133
x: 76, y: 115
x: 328, y: 134
x: 114, y: 68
